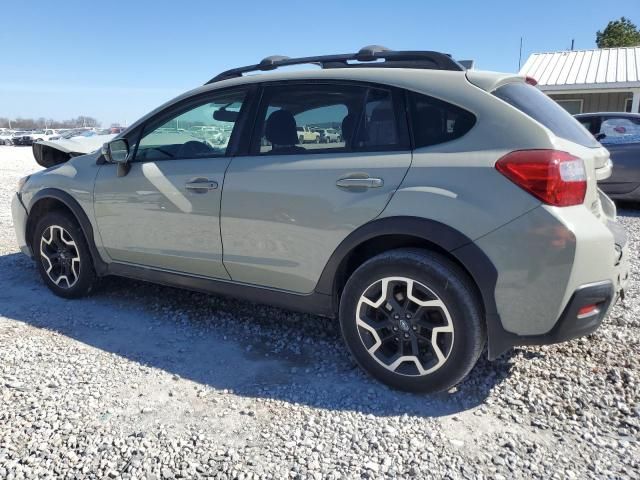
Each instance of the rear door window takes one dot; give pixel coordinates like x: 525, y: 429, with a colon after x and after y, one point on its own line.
x: 532, y: 102
x: 620, y: 131
x: 294, y: 119
x: 434, y: 121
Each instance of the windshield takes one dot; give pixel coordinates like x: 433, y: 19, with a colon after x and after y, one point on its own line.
x: 537, y: 105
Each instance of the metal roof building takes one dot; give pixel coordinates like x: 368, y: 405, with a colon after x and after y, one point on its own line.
x: 589, y: 80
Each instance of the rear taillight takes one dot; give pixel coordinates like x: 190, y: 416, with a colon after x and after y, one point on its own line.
x: 557, y: 178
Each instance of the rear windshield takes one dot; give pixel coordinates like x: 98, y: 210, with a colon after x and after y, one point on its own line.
x: 538, y: 106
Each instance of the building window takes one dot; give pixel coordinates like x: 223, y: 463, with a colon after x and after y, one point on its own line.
x: 572, y: 106
x: 627, y: 104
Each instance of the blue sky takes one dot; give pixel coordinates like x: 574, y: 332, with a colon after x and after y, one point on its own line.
x: 116, y: 60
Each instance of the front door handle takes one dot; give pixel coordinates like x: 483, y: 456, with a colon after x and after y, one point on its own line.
x: 367, y: 182
x: 201, y: 185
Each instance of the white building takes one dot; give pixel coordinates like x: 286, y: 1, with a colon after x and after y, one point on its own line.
x: 600, y: 80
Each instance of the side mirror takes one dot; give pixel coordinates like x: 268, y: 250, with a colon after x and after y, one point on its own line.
x: 600, y: 136
x: 117, y: 152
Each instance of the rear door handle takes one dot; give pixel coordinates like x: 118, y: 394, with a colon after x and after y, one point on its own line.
x: 201, y: 185
x: 367, y: 182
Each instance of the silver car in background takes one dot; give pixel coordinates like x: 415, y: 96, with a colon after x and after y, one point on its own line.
x: 620, y: 134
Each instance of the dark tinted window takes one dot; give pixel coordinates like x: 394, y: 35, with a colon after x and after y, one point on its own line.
x: 295, y: 119
x: 435, y: 121
x: 531, y: 101
x: 378, y: 126
x: 590, y: 123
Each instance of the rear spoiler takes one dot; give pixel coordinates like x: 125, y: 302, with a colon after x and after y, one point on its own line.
x: 489, y: 81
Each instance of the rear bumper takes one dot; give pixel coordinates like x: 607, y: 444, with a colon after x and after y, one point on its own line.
x: 548, y: 263
x: 571, y: 324
x: 19, y: 215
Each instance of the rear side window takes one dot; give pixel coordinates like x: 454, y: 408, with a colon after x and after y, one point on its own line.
x: 434, y: 121
x: 532, y: 102
x: 620, y: 131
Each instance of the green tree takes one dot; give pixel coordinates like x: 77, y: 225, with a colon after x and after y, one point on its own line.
x: 618, y: 33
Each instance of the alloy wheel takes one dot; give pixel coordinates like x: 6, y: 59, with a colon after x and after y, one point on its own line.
x: 405, y: 326
x: 60, y: 256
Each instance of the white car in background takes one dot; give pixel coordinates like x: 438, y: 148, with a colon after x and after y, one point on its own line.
x: 6, y: 136
x: 42, y: 135
x: 329, y: 135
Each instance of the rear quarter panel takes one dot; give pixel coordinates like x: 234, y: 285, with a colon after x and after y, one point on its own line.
x: 456, y: 182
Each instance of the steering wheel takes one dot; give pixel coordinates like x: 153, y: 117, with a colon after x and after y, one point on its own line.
x: 193, y: 148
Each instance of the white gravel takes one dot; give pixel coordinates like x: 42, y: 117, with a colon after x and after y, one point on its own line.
x: 142, y: 381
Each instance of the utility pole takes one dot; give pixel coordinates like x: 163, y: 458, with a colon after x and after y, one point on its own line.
x: 520, y: 56
x: 573, y: 42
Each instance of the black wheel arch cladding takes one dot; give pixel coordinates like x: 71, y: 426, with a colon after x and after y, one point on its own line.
x: 457, y: 245
x: 76, y: 210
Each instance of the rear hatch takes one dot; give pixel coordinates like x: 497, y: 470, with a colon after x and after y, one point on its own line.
x: 568, y: 134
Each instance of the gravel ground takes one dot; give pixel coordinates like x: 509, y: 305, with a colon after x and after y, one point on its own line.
x: 142, y: 381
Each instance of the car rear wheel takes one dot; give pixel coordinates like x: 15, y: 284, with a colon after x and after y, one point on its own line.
x: 411, y: 319
x: 63, y: 257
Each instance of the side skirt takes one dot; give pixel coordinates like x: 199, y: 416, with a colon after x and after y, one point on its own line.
x: 314, y: 303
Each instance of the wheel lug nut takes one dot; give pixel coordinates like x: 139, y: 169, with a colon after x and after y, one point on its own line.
x: 396, y: 316
x: 406, y: 335
x: 414, y: 328
x: 408, y: 315
x: 396, y: 339
x: 395, y: 329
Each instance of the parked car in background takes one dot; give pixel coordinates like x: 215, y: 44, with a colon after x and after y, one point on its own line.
x: 6, y: 136
x: 421, y: 263
x: 30, y: 137
x: 328, y: 135
x: 620, y: 134
x: 23, y: 138
x: 46, y: 134
x: 306, y: 135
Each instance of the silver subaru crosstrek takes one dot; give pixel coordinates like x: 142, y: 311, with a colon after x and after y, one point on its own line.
x: 459, y: 207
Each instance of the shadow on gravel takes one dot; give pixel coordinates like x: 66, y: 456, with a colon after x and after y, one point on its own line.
x: 252, y: 350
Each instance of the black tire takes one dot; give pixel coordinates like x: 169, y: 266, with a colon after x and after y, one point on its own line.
x: 84, y: 272
x: 451, y: 285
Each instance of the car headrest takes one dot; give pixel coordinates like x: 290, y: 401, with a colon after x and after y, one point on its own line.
x: 280, y: 128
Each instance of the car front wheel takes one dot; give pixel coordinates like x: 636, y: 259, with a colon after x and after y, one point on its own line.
x: 63, y: 257
x: 411, y: 319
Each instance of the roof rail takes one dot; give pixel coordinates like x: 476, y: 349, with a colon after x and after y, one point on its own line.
x: 377, y: 55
